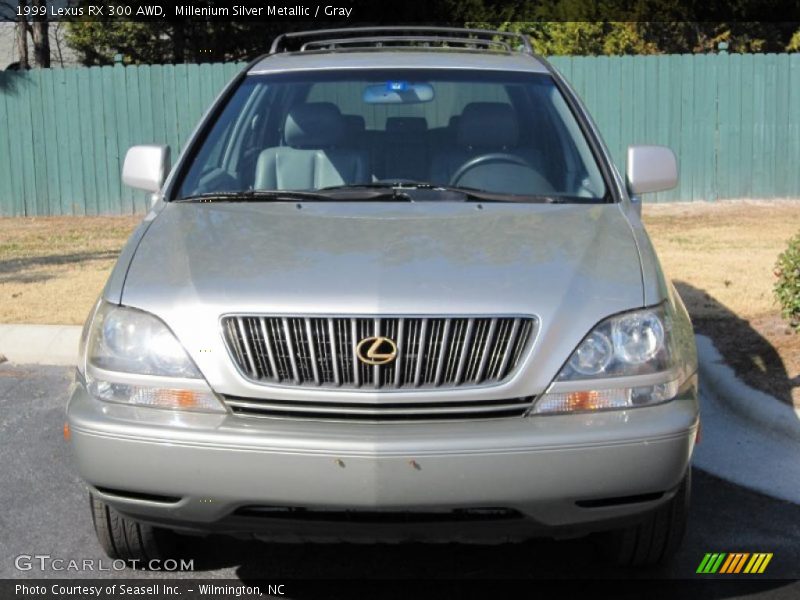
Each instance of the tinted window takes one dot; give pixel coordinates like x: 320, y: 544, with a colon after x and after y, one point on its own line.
x: 509, y: 133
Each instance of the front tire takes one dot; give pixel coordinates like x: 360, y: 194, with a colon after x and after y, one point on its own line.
x: 655, y: 539
x: 127, y: 539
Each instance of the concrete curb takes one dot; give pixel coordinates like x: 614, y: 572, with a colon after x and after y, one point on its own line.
x: 40, y: 344
x: 748, y: 438
x: 765, y: 410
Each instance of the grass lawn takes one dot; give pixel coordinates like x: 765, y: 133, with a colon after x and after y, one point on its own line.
x: 52, y: 269
x: 720, y: 255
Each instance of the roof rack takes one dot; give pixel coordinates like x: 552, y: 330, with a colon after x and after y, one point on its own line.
x: 392, y: 37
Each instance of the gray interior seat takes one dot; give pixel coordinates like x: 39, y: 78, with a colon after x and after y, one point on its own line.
x: 314, y: 154
x: 355, y: 126
x: 406, y: 148
x: 482, y: 128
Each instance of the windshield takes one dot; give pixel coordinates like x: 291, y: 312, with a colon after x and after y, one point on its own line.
x: 497, y: 132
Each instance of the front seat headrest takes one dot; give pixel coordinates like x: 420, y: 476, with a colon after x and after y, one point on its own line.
x: 488, y: 124
x: 406, y: 125
x: 355, y: 124
x: 314, y: 125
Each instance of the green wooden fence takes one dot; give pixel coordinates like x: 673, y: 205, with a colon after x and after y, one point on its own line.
x: 64, y: 132
x: 733, y: 120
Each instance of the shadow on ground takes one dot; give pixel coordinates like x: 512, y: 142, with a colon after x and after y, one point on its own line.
x: 751, y: 355
x: 15, y: 270
x: 714, y: 526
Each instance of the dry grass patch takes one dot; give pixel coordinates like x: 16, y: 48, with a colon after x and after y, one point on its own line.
x: 726, y: 250
x: 53, y: 268
x: 722, y: 257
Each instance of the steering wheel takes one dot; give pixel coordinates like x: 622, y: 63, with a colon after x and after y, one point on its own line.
x: 501, y: 157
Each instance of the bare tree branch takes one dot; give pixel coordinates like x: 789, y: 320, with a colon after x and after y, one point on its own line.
x: 22, y: 37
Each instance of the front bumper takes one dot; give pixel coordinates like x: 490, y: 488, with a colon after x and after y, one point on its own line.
x: 565, y: 474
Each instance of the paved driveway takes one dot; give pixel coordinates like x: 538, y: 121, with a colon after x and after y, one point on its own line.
x: 45, y: 511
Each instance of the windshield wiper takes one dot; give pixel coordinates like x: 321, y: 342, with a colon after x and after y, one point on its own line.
x: 276, y: 195
x: 381, y: 191
x: 467, y: 194
x: 298, y: 195
x: 478, y: 195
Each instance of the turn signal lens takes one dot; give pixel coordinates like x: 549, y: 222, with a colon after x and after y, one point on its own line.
x: 582, y: 401
x: 592, y: 400
x: 155, y: 397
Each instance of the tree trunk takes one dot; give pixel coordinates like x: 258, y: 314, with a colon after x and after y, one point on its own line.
x: 41, y: 38
x: 179, y: 42
x: 22, y: 37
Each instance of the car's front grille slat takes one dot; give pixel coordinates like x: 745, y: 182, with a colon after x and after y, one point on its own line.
x: 398, y: 363
x: 507, y: 351
x: 443, y: 352
x: 486, y: 351
x: 526, y: 332
x: 423, y: 332
x: 353, y: 344
x: 335, y: 367
x: 311, y: 340
x: 269, y: 348
x: 464, y: 351
x: 432, y: 352
x: 290, y: 352
x: 245, y: 337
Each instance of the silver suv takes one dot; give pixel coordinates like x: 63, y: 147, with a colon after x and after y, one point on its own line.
x: 393, y: 288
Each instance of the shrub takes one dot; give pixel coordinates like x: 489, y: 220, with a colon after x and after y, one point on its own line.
x: 787, y: 290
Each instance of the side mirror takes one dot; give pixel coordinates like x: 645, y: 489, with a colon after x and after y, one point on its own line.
x: 651, y: 169
x: 146, y: 167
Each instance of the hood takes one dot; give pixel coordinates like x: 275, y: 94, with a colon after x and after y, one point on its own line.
x: 569, y: 265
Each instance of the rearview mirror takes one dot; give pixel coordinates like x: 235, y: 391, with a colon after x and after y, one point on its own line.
x: 146, y: 167
x: 651, y: 169
x: 398, y: 92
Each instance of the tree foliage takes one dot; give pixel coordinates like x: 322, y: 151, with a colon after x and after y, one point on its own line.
x: 787, y: 288
x: 794, y: 43
x: 576, y: 27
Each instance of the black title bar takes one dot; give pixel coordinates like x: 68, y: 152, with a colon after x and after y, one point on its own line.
x: 490, y: 12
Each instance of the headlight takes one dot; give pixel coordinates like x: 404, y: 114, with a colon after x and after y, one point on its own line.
x: 637, y: 343
x: 133, y: 341
x: 634, y: 343
x: 133, y: 358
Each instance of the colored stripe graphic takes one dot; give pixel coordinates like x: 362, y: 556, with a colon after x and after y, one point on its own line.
x: 734, y: 563
x: 758, y: 563
x: 711, y: 563
x: 732, y: 558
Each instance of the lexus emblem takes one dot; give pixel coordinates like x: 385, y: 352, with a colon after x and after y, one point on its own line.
x: 376, y: 350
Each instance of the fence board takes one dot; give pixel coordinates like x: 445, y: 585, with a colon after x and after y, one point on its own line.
x: 77, y: 195
x: 6, y: 190
x: 733, y: 120
x: 793, y: 157
x: 63, y: 174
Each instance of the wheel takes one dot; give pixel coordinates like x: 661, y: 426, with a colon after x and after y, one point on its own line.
x: 654, y: 540
x: 127, y: 539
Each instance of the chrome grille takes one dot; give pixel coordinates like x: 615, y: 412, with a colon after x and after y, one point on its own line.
x: 432, y: 352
